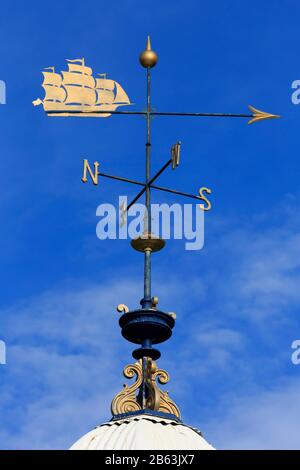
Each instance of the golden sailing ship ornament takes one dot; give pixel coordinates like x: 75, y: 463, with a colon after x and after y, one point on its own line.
x: 76, y: 92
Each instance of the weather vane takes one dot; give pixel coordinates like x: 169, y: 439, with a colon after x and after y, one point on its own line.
x: 77, y: 92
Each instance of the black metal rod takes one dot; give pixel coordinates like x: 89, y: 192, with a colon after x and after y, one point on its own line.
x: 127, y: 180
x: 148, y: 146
x: 160, y: 188
x: 155, y: 113
x: 159, y: 172
x: 146, y: 302
x: 139, y: 183
x: 148, y: 185
x: 120, y: 178
x: 136, y: 198
x: 174, y: 191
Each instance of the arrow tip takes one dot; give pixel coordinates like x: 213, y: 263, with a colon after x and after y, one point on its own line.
x: 259, y: 115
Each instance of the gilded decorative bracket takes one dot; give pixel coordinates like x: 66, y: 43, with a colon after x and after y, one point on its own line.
x: 144, y: 393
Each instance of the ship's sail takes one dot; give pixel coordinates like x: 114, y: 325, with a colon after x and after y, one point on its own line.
x: 71, y: 78
x: 79, y: 84
x: 105, y: 84
x: 80, y: 95
x: 121, y: 96
x: 52, y: 78
x: 109, y: 91
x: 105, y: 96
x: 80, y: 67
x: 54, y: 93
x: 105, y: 91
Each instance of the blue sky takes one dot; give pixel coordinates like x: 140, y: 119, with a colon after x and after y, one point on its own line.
x: 237, y: 300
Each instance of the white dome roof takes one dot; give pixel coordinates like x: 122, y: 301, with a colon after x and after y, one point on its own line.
x: 142, y: 432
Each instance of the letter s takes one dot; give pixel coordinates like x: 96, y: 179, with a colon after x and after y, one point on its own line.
x: 204, y: 198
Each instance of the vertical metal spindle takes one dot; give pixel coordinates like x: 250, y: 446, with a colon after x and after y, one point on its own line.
x: 147, y: 255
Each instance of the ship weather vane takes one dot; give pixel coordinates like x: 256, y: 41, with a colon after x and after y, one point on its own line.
x: 77, y: 92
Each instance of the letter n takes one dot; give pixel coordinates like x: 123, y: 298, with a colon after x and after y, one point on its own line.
x: 87, y: 168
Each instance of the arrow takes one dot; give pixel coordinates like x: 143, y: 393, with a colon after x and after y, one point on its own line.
x: 260, y: 115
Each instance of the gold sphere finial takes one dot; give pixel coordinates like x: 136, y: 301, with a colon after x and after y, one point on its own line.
x: 148, y: 57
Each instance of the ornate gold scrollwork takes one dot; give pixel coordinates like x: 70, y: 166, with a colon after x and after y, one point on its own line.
x: 153, y: 398
x: 136, y: 397
x: 166, y: 404
x: 125, y: 401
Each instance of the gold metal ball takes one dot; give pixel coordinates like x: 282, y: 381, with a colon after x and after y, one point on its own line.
x: 148, y: 58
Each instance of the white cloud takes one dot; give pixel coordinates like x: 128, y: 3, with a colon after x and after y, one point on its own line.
x: 268, y: 419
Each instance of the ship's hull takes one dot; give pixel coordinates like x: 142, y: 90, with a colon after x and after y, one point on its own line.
x: 58, y: 109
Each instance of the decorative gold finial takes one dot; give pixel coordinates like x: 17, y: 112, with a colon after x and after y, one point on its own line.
x: 260, y: 115
x: 148, y: 57
x: 122, y: 308
x: 131, y: 399
x: 148, y: 46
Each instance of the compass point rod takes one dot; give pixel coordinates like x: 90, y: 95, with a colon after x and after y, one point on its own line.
x: 174, y: 191
x: 120, y: 178
x: 146, y: 185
